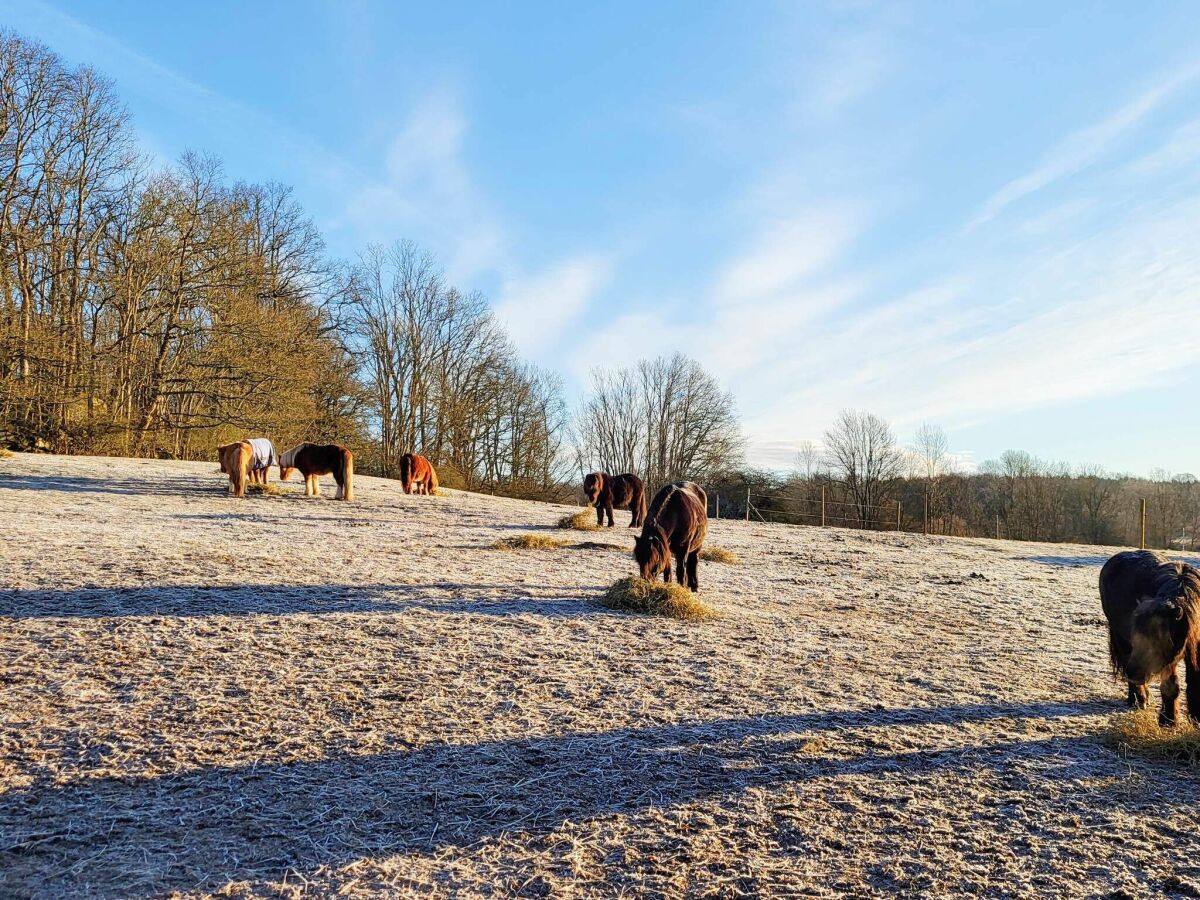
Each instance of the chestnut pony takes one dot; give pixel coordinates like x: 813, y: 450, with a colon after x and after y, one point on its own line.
x: 315, y: 460
x: 416, y: 471
x: 235, y: 462
x: 676, y: 525
x: 606, y: 492
x: 1153, y: 609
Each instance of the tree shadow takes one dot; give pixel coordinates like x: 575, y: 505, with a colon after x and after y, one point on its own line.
x: 196, y: 830
x: 1069, y: 562
x: 276, y: 600
x: 172, y: 485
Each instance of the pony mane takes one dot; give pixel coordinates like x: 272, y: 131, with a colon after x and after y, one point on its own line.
x: 288, y: 458
x: 1180, y: 582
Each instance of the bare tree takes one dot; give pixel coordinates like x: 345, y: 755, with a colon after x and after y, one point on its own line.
x: 663, y: 419
x: 861, y: 450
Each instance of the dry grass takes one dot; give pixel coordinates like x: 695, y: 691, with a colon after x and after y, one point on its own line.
x: 271, y: 490
x: 5, y: 453
x: 529, y: 542
x: 657, y: 598
x: 1138, y: 732
x: 584, y: 520
x: 598, y: 545
x: 720, y: 555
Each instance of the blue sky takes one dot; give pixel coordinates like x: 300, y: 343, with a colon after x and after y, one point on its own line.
x: 979, y: 215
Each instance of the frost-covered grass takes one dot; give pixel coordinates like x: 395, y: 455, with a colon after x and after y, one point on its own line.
x: 205, y: 696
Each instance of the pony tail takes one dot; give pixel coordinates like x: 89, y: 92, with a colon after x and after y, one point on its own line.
x: 641, y: 504
x: 433, y: 480
x: 406, y: 472
x: 347, y: 475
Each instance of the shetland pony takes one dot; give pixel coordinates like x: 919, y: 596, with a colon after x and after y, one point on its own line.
x: 235, y: 462
x: 417, y: 472
x: 676, y: 525
x: 315, y: 460
x: 263, y: 458
x: 1153, y: 609
x: 606, y: 492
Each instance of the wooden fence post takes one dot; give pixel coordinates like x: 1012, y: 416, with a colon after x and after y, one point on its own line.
x: 718, y: 499
x: 926, y: 527
x: 997, y: 526
x: 747, y: 504
x: 822, y: 506
x: 897, y: 515
x: 1142, y: 505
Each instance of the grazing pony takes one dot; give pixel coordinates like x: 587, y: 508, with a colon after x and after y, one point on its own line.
x: 676, y: 525
x: 416, y: 471
x: 1153, y: 609
x: 263, y: 458
x: 235, y: 462
x: 606, y: 492
x: 315, y: 460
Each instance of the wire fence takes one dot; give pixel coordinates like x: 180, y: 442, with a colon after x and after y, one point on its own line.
x: 823, y: 512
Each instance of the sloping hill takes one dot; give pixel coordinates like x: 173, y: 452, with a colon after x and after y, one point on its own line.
x: 279, y: 694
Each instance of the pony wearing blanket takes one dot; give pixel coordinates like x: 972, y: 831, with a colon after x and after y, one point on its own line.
x: 418, y: 472
x: 264, y: 457
x: 315, y: 460
x: 235, y: 462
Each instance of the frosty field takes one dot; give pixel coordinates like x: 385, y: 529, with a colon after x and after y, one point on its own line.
x: 282, y: 696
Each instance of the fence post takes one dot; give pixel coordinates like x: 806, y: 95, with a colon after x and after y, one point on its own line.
x: 1142, y: 505
x: 897, y: 515
x: 997, y: 526
x: 822, y: 506
x: 926, y: 526
x: 747, y: 504
x: 718, y: 499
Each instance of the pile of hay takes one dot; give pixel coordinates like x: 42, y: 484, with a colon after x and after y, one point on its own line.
x: 270, y: 490
x: 528, y: 542
x: 721, y: 555
x: 658, y: 599
x: 584, y: 520
x: 1138, y: 732
x: 5, y: 453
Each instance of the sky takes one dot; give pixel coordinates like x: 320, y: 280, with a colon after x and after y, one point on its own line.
x: 981, y: 216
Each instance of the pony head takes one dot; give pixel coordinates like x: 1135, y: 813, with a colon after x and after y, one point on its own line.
x: 287, y: 463
x: 593, y: 484
x: 652, y: 553
x: 1158, y: 636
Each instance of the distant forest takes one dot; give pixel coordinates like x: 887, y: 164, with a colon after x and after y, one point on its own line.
x: 160, y: 312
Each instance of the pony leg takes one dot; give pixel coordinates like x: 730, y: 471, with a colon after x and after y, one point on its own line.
x: 600, y: 514
x: 608, y: 511
x: 693, y: 566
x: 338, y: 493
x: 681, y: 570
x: 1139, y: 695
x: 316, y: 485
x: 1170, y: 696
x: 1193, y: 690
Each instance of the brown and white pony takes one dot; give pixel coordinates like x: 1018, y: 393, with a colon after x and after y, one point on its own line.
x: 315, y: 460
x: 418, y: 472
x: 235, y: 462
x: 606, y: 492
x: 676, y: 525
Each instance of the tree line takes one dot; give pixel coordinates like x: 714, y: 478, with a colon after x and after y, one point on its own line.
x: 868, y: 480
x: 161, y: 312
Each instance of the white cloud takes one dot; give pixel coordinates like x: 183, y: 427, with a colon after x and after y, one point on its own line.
x: 1082, y: 148
x: 853, y: 66
x: 539, y: 308
x: 785, y: 253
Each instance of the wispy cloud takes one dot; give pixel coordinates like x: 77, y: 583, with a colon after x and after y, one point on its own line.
x: 539, y: 308
x: 1082, y: 148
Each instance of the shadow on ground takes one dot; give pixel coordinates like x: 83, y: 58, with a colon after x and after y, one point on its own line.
x: 197, y: 830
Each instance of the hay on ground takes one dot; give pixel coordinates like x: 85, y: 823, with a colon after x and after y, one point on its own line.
x: 1138, y: 732
x: 598, y: 545
x: 271, y: 490
x: 720, y: 555
x: 658, y: 598
x: 584, y: 520
x: 529, y: 542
